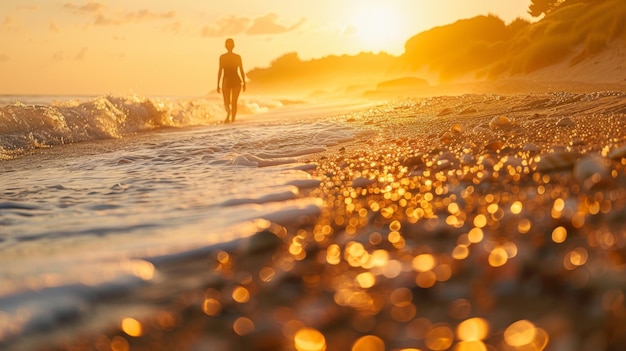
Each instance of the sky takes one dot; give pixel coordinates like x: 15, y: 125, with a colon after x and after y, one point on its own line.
x: 171, y: 48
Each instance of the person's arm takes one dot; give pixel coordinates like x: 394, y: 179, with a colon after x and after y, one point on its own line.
x: 219, y: 76
x: 243, y: 76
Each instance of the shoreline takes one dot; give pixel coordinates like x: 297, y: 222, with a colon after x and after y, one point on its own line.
x: 444, y: 213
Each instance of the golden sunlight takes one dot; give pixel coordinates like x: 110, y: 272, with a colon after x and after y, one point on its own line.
x: 376, y: 24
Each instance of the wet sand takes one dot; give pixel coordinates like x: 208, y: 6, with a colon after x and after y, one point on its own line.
x: 475, y: 222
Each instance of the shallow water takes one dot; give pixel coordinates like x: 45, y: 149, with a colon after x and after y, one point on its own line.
x: 78, y: 221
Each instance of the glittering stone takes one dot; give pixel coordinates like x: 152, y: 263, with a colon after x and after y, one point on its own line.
x: 557, y: 161
x: 456, y: 128
x: 591, y: 170
x: 361, y: 182
x: 565, y: 122
x: 530, y: 147
x: 500, y: 122
x: 618, y: 153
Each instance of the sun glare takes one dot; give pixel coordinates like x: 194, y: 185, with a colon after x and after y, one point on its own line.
x: 377, y: 26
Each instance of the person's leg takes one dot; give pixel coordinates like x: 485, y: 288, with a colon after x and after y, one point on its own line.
x: 235, y: 91
x: 226, y: 92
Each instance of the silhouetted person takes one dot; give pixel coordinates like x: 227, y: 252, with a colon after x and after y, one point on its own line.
x: 231, y: 84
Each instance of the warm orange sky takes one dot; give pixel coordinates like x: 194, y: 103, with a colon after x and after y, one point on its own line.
x: 163, y: 47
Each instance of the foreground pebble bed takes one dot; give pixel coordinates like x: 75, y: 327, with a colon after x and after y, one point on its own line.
x: 479, y: 222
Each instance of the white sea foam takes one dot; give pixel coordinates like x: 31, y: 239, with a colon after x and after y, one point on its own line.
x: 84, y: 225
x: 37, y: 123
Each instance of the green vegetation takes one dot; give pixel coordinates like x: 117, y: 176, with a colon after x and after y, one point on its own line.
x: 570, y: 30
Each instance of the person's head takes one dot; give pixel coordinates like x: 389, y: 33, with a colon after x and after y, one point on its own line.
x: 230, y: 44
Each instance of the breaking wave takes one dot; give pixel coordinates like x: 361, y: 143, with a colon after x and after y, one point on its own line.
x: 24, y: 127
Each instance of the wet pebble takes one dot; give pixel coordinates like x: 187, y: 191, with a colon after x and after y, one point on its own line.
x: 565, y: 122
x: 557, y: 161
x: 494, y: 145
x: 456, y: 128
x: 530, y: 147
x: 591, y: 170
x: 467, y: 159
x: 413, y: 161
x: 446, y: 160
x: 446, y: 137
x: 618, y: 153
x: 446, y: 111
x: 264, y: 241
x: 361, y: 182
x: 480, y: 129
x: 500, y: 122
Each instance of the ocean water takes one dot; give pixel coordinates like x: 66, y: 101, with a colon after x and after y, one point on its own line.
x: 116, y: 184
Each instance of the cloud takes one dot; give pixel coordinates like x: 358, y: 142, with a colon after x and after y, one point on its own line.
x: 268, y: 25
x: 59, y: 56
x: 4, y: 58
x: 101, y: 17
x: 81, y: 54
x: 28, y: 8
x: 89, y: 7
x: 131, y: 17
x: 62, y: 55
x: 226, y: 26
x: 173, y: 28
x: 232, y: 25
x: 8, y: 22
x: 350, y: 30
x: 53, y: 28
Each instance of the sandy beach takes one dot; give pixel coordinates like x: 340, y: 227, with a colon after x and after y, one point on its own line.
x: 472, y: 222
x: 323, y: 176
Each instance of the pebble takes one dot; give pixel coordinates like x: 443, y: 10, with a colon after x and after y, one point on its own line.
x: 263, y: 241
x: 446, y: 111
x: 618, y: 153
x: 530, y: 147
x: 500, y: 122
x: 413, y: 161
x: 565, y: 122
x: 361, y: 182
x: 446, y: 160
x: 467, y: 159
x: 468, y: 110
x: 456, y: 128
x: 557, y: 161
x: 446, y: 137
x: 494, y: 145
x: 480, y: 129
x: 591, y: 170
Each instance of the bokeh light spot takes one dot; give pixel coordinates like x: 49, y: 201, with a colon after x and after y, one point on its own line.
x: 559, y: 234
x: 439, y: 338
x: 131, y: 326
x: 498, y: 257
x: 369, y: 343
x: 473, y: 329
x: 366, y: 280
x: 211, y: 306
x: 423, y: 262
x: 243, y: 326
x: 309, y: 339
x: 520, y: 333
x: 475, y: 345
x: 241, y: 294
